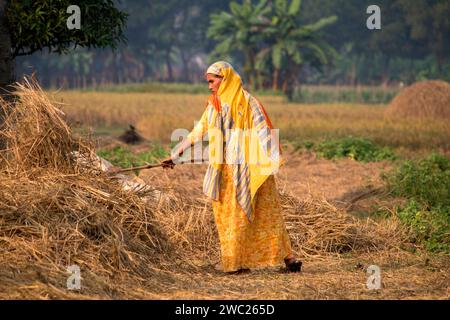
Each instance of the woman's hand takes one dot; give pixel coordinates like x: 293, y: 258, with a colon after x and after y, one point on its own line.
x: 168, y: 163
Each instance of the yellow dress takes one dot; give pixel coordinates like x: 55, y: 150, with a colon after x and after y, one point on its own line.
x: 249, y: 221
x: 261, y: 243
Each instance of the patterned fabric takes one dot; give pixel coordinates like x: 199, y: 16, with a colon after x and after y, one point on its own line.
x: 214, y: 69
x: 263, y: 242
x: 246, y: 204
x: 233, y: 153
x: 239, y: 128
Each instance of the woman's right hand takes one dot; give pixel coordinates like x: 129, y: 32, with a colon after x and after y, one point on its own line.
x: 168, y: 163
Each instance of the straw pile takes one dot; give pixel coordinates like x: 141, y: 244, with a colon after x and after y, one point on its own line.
x: 425, y: 99
x: 54, y: 214
x: 317, y: 228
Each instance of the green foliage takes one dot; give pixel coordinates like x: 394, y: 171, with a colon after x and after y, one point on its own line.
x: 308, y: 144
x: 240, y: 30
x: 430, y: 226
x: 272, y: 38
x: 428, y: 23
x: 160, y: 87
x: 358, y: 149
x: 42, y: 24
x: 427, y: 180
x: 289, y: 44
x: 168, y: 39
x: 343, y: 94
x: 426, y: 185
x: 123, y: 157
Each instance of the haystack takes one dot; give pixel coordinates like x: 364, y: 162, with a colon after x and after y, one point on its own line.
x: 55, y: 213
x: 316, y: 227
x: 425, y: 99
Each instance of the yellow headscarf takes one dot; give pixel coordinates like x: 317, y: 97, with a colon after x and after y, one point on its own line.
x: 251, y: 127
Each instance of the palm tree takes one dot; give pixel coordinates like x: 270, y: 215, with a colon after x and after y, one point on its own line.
x: 290, y: 45
x: 241, y: 29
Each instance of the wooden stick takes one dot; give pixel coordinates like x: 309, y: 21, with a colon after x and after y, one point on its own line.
x: 148, y: 166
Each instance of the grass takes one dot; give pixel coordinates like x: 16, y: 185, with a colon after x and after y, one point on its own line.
x: 358, y: 149
x: 426, y: 185
x: 358, y: 131
x: 152, y: 87
x: 124, y: 157
x: 156, y: 115
x: 56, y: 213
x: 344, y: 94
x: 304, y: 94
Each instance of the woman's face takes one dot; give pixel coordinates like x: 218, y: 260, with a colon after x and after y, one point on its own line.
x: 213, y: 82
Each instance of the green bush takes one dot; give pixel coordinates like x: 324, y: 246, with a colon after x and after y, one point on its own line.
x: 426, y: 180
x: 430, y: 226
x: 359, y: 149
x: 366, y: 96
x: 426, y: 185
x: 125, y: 158
x: 120, y: 157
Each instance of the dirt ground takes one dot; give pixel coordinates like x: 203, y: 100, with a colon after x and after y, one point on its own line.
x: 345, y: 183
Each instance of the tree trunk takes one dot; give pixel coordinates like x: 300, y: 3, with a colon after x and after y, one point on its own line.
x: 258, y: 80
x: 284, y: 86
x: 186, y: 76
x: 440, y: 63
x: 169, y: 66
x: 7, y: 64
x: 249, y: 68
x: 275, y: 76
x: 291, y: 82
x: 353, y: 75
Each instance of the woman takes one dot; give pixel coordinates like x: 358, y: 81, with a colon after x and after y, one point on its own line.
x: 243, y: 156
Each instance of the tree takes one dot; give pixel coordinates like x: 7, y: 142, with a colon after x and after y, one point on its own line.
x: 30, y: 26
x: 429, y: 24
x: 290, y: 45
x: 271, y: 37
x: 166, y: 36
x: 241, y: 29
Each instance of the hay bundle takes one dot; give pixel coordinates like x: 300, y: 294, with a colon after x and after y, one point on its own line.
x: 188, y: 222
x: 35, y: 133
x: 316, y: 228
x: 53, y: 215
x: 425, y: 99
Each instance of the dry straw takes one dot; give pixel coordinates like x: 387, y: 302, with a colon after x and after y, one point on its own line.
x: 54, y: 213
x: 426, y: 99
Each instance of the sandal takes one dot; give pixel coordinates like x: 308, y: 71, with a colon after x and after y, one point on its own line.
x: 293, y: 265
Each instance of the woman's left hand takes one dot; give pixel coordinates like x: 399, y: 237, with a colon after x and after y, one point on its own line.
x: 168, y: 163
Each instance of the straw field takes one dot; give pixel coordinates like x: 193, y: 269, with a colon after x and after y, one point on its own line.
x: 157, y: 115
x: 56, y: 211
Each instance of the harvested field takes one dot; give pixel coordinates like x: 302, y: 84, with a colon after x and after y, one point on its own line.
x: 56, y: 212
x: 156, y: 115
